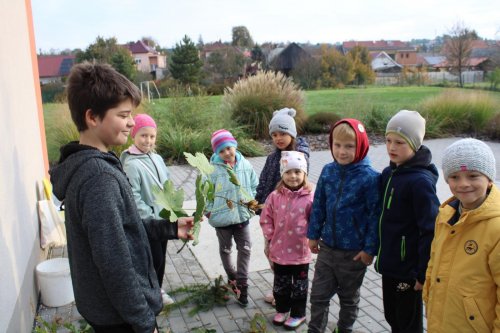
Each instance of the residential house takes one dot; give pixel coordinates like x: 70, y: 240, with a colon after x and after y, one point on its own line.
x: 147, y: 59
x: 54, y: 68
x: 227, y: 51
x: 428, y: 61
x: 401, y: 52
x: 383, y: 63
x: 285, y: 59
x: 472, y: 64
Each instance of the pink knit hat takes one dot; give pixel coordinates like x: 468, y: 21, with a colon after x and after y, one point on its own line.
x: 222, y: 139
x: 142, y: 120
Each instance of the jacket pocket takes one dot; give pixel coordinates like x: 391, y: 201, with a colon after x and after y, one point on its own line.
x: 473, y: 315
x: 402, y: 248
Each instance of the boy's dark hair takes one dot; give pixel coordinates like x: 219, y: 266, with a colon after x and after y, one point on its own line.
x: 98, y: 87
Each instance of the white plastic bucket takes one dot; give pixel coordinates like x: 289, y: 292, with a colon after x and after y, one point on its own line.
x: 54, y: 280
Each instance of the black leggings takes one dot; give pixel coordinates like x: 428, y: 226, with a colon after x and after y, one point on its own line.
x: 158, y: 251
x: 290, y: 289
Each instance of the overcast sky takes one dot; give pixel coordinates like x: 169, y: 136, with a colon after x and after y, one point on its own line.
x: 61, y: 24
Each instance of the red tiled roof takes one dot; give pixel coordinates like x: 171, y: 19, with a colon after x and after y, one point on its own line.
x: 140, y: 47
x: 214, y: 46
x: 479, y: 44
x: 378, y: 45
x: 472, y: 62
x: 474, y: 45
x: 50, y: 66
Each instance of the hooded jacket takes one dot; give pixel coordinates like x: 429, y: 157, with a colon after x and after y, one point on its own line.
x: 114, y: 281
x: 409, y: 209
x: 220, y: 214
x: 284, y: 222
x: 346, y: 202
x: 346, y: 207
x: 462, y: 288
x: 270, y: 175
x: 144, y: 180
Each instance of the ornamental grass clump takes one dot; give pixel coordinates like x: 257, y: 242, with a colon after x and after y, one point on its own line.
x: 252, y: 101
x: 457, y: 112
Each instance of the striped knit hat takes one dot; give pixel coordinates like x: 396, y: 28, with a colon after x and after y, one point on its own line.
x: 469, y: 155
x: 222, y: 139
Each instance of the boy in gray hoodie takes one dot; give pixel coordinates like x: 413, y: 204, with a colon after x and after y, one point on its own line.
x: 114, y: 282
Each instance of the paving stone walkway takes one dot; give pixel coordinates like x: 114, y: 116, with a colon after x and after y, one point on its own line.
x: 201, y: 264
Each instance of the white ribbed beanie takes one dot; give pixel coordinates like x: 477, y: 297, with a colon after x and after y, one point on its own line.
x: 410, y: 125
x: 469, y: 155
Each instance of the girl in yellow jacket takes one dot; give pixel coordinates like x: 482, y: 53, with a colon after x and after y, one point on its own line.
x: 462, y: 286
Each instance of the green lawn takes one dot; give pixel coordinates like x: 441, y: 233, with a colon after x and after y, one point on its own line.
x: 351, y: 102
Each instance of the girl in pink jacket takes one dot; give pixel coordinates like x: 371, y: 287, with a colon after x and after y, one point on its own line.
x: 284, y: 222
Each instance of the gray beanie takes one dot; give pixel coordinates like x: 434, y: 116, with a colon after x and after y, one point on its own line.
x: 410, y: 125
x: 469, y: 155
x: 283, y: 121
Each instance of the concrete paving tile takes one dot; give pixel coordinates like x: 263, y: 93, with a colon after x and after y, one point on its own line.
x: 227, y: 323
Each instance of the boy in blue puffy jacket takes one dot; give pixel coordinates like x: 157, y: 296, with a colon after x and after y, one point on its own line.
x: 343, y: 225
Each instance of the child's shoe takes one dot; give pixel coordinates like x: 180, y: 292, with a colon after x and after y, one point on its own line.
x: 292, y: 322
x: 269, y: 298
x: 279, y: 318
x: 234, y: 287
x: 243, y: 295
x: 231, y: 285
x: 165, y: 298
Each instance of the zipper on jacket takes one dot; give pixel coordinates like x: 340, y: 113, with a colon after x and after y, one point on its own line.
x: 341, y: 189
x: 380, y: 222
x: 390, y: 199
x: 403, y: 248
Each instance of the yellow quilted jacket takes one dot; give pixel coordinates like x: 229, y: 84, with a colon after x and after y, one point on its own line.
x: 462, y: 288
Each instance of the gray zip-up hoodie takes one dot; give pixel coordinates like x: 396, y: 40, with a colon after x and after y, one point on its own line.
x: 111, y: 265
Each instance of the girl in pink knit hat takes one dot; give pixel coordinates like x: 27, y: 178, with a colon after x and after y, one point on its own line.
x: 146, y: 170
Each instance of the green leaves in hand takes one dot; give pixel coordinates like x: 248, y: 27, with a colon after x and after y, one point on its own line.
x: 171, y: 200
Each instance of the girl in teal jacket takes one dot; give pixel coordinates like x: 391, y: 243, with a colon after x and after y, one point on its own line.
x: 227, y: 213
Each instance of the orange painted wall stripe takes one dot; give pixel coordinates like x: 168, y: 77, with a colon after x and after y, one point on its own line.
x: 36, y: 83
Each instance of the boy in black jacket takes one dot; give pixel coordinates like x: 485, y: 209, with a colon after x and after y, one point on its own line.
x: 114, y: 282
x: 406, y: 229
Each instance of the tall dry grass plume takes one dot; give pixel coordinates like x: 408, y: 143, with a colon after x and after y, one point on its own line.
x: 252, y: 101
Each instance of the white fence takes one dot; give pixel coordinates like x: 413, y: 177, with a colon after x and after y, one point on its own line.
x: 389, y: 79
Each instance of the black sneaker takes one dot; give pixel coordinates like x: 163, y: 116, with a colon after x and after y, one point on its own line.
x: 243, y: 296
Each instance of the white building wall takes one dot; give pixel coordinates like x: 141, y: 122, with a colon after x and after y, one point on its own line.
x: 22, y: 164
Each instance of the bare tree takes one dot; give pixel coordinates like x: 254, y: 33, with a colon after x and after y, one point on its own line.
x: 459, y: 47
x: 242, y: 37
x: 307, y: 72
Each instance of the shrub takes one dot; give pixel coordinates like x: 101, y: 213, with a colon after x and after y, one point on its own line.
x: 376, y: 121
x: 320, y: 122
x: 493, y: 129
x: 494, y: 78
x: 53, y: 92
x: 252, y: 101
x: 458, y: 112
x: 185, y: 124
x: 215, y: 89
